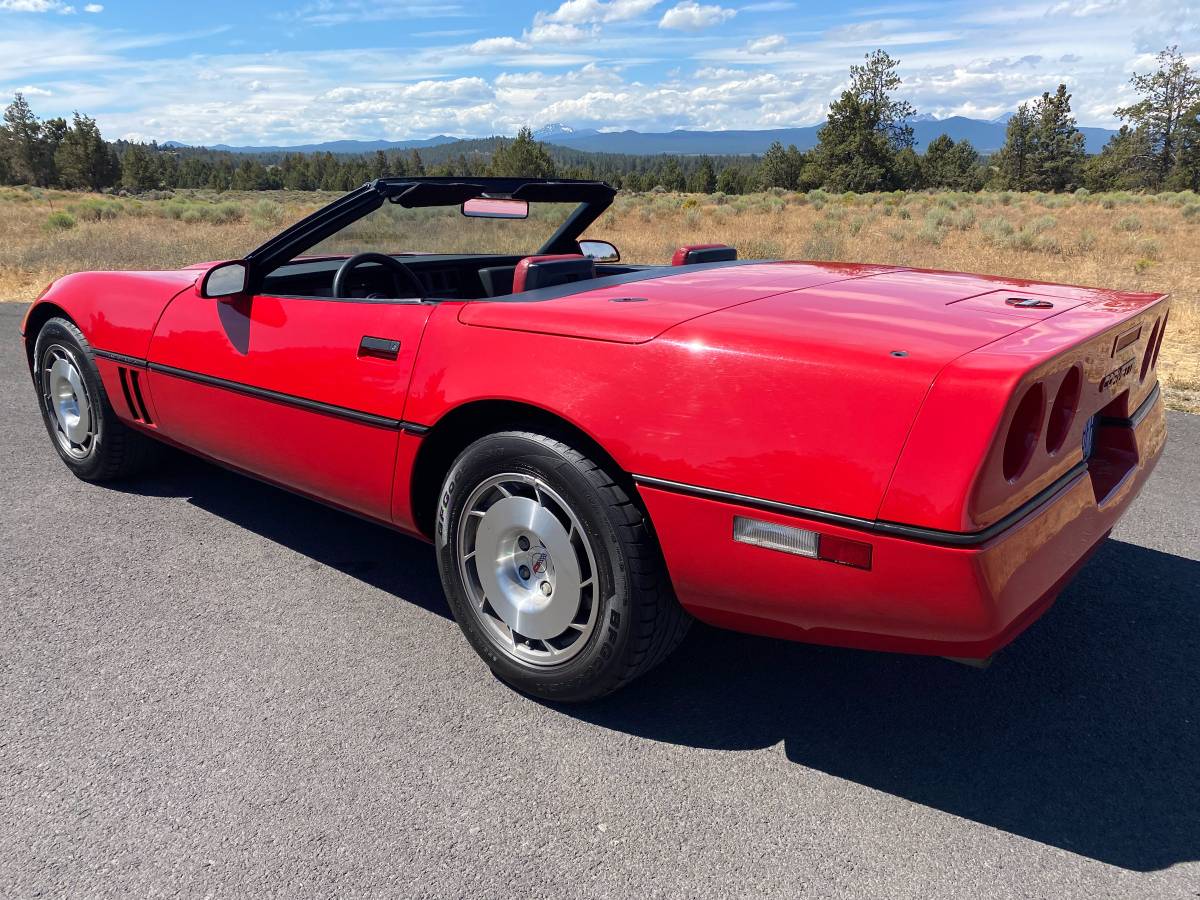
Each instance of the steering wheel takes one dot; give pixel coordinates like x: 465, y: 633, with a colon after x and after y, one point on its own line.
x: 404, y: 282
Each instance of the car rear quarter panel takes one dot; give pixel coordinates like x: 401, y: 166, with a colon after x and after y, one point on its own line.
x: 746, y: 404
x: 949, y: 474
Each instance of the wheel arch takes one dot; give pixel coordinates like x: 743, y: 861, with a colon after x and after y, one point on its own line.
x: 461, y: 426
x: 39, y: 314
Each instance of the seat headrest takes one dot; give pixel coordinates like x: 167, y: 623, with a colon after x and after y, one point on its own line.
x: 703, y: 253
x: 546, y: 271
x: 497, y: 280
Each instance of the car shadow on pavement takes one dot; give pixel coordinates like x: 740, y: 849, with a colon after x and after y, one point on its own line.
x: 1083, y: 734
x: 400, y: 565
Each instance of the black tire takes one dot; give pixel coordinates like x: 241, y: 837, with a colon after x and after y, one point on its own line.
x: 639, y: 620
x: 114, y: 450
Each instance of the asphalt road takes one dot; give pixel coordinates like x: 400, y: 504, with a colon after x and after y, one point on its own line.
x: 210, y: 687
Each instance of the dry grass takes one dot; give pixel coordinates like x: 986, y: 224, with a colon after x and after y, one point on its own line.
x: 1121, y: 241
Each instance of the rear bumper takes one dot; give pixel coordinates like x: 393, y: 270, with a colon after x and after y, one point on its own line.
x: 919, y: 596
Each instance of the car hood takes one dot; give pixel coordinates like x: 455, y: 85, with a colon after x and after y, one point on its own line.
x: 945, y: 313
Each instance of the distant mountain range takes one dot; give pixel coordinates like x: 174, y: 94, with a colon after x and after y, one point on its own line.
x: 356, y: 147
x: 986, y: 136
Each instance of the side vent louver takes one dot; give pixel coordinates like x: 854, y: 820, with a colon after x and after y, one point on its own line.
x: 132, y: 389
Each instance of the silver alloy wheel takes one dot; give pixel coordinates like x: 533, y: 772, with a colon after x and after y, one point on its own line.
x: 66, y: 397
x: 528, y: 569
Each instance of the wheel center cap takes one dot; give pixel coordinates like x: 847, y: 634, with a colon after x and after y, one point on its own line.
x: 512, y: 579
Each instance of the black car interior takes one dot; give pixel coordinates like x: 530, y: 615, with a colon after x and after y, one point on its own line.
x: 462, y: 277
x: 280, y: 267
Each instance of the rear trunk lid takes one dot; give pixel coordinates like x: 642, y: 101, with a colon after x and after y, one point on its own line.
x: 641, y: 309
x: 960, y: 312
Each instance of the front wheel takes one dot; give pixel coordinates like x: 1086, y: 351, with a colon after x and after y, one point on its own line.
x: 83, y: 426
x: 551, y: 570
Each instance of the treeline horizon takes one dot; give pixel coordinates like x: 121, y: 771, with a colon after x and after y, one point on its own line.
x: 865, y: 145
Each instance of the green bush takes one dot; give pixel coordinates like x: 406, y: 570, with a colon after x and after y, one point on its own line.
x: 266, y: 212
x: 756, y: 248
x: 60, y: 221
x: 1041, y: 224
x: 1150, y: 249
x: 931, y: 234
x: 93, y: 210
x: 937, y: 217
x: 997, y: 229
x: 823, y: 245
x: 1128, y: 223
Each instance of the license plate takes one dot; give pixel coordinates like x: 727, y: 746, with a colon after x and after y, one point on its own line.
x: 1089, y: 437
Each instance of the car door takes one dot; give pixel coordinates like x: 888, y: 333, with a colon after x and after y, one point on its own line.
x: 305, y: 392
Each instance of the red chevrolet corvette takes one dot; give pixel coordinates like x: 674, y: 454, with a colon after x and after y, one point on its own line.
x: 868, y: 456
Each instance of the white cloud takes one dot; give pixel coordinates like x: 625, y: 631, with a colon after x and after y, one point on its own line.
x: 94, y: 8
x: 34, y: 6
x: 30, y: 90
x: 691, y: 16
x: 599, y: 63
x: 341, y: 12
x: 772, y: 43
x: 583, y: 12
x: 557, y: 32
x: 494, y: 45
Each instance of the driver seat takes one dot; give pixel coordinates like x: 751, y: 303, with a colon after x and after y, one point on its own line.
x: 535, y: 272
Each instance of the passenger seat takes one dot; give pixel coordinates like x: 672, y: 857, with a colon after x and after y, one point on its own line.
x: 535, y: 272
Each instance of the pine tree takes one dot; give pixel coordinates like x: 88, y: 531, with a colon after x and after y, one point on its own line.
x: 379, y: 165
x: 1186, y: 174
x: 1015, y: 159
x: 781, y: 168
x: 84, y: 159
x: 731, y: 181
x: 866, y: 128
x: 875, y: 83
x: 1167, y: 95
x: 523, y: 157
x: 950, y: 165
x: 26, y: 144
x: 1058, y: 148
x: 138, y: 170
x: 704, y: 179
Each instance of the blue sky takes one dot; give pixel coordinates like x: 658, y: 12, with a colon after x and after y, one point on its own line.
x: 294, y: 71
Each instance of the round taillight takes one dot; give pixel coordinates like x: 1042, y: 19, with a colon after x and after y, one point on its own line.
x: 1148, y: 356
x: 1024, y: 431
x: 1162, y: 333
x: 1062, y: 413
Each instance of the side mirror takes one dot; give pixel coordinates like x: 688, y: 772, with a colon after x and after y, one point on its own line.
x: 226, y: 280
x: 600, y: 251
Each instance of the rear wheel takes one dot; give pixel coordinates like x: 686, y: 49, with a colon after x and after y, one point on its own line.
x: 83, y: 427
x: 551, y: 570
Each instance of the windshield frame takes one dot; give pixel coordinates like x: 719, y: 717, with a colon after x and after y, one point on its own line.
x: 592, y: 197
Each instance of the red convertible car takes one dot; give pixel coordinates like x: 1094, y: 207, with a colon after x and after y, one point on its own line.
x: 862, y: 455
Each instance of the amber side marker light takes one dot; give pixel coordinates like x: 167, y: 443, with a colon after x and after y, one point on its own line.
x: 802, y: 542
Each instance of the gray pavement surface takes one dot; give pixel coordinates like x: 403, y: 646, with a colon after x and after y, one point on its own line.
x: 211, y: 687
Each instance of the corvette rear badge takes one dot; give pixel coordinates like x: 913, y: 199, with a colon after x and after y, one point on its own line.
x: 1116, y: 375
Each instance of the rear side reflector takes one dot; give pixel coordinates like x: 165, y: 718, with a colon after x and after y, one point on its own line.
x: 845, y: 552
x: 801, y: 542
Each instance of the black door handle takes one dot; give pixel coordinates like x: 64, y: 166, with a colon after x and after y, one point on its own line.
x: 380, y: 348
